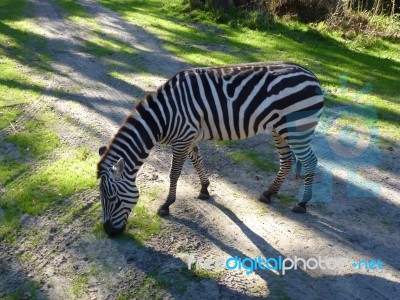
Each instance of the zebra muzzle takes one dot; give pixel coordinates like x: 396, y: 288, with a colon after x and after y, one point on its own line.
x: 111, y: 230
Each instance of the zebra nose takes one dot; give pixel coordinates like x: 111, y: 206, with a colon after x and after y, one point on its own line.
x: 111, y: 230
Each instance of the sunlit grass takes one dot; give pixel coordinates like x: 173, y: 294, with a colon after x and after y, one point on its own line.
x: 41, y: 186
x: 33, y: 189
x: 103, y: 46
x: 8, y: 114
x: 16, y: 86
x: 22, y: 54
x: 38, y: 138
x: 258, y: 160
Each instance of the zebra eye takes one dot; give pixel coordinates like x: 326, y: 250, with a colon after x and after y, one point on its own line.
x: 113, y: 198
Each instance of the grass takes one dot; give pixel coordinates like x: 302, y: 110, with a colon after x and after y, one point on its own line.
x: 33, y: 189
x: 27, y: 290
x: 143, y: 224
x: 73, y: 8
x: 201, y: 273
x: 8, y: 115
x: 285, y: 200
x: 22, y: 54
x: 101, y: 45
x: 41, y: 186
x: 195, y: 37
x: 45, y: 172
x: 150, y: 288
x: 258, y: 160
x: 37, y: 140
x: 80, y: 285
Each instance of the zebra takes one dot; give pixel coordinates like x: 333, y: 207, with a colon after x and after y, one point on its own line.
x: 216, y: 103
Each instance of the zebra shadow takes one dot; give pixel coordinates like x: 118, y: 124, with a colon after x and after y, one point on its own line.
x: 296, y: 284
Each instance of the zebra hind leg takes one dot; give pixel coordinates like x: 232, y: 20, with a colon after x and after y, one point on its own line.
x: 309, y: 161
x: 178, y: 159
x: 285, y: 163
x: 197, y: 161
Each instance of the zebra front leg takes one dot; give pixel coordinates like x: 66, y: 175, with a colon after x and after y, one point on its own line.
x: 178, y: 159
x: 197, y: 161
x: 284, y: 167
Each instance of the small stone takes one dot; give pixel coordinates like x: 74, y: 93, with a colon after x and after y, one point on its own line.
x: 27, y: 295
x: 258, y: 177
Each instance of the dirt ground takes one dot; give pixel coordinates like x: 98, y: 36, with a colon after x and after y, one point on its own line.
x: 358, y: 219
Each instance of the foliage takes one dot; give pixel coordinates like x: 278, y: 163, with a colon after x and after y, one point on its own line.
x: 359, y: 16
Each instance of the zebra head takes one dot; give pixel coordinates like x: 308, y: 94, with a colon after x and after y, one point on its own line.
x: 117, y: 194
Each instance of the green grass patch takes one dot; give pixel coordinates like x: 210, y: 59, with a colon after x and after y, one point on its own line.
x: 102, y: 45
x: 80, y: 285
x: 8, y: 115
x: 16, y: 86
x: 258, y: 160
x: 285, y: 200
x: 226, y: 143
x: 9, y: 169
x: 141, y: 224
x: 11, y: 10
x: 38, y: 139
x: 41, y: 186
x: 201, y: 273
x: 33, y: 189
x: 72, y: 7
x: 77, y: 13
x: 23, y: 52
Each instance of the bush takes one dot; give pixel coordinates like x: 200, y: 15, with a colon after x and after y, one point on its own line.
x: 353, y: 17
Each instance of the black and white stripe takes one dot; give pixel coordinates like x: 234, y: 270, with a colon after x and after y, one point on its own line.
x: 227, y: 103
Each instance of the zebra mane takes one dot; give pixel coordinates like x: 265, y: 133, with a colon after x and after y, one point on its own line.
x: 104, y: 158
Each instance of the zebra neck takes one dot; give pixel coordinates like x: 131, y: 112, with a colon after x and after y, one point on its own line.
x: 133, y: 142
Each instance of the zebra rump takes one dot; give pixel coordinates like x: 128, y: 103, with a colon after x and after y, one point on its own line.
x: 217, y: 103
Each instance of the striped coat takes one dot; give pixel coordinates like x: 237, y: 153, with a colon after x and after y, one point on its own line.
x: 225, y: 103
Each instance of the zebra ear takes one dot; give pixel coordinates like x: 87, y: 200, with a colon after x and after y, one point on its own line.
x: 102, y: 150
x: 118, y: 169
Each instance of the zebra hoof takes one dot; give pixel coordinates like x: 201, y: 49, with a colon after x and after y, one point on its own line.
x: 203, y: 196
x: 265, y: 197
x: 163, y: 211
x: 300, y: 208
